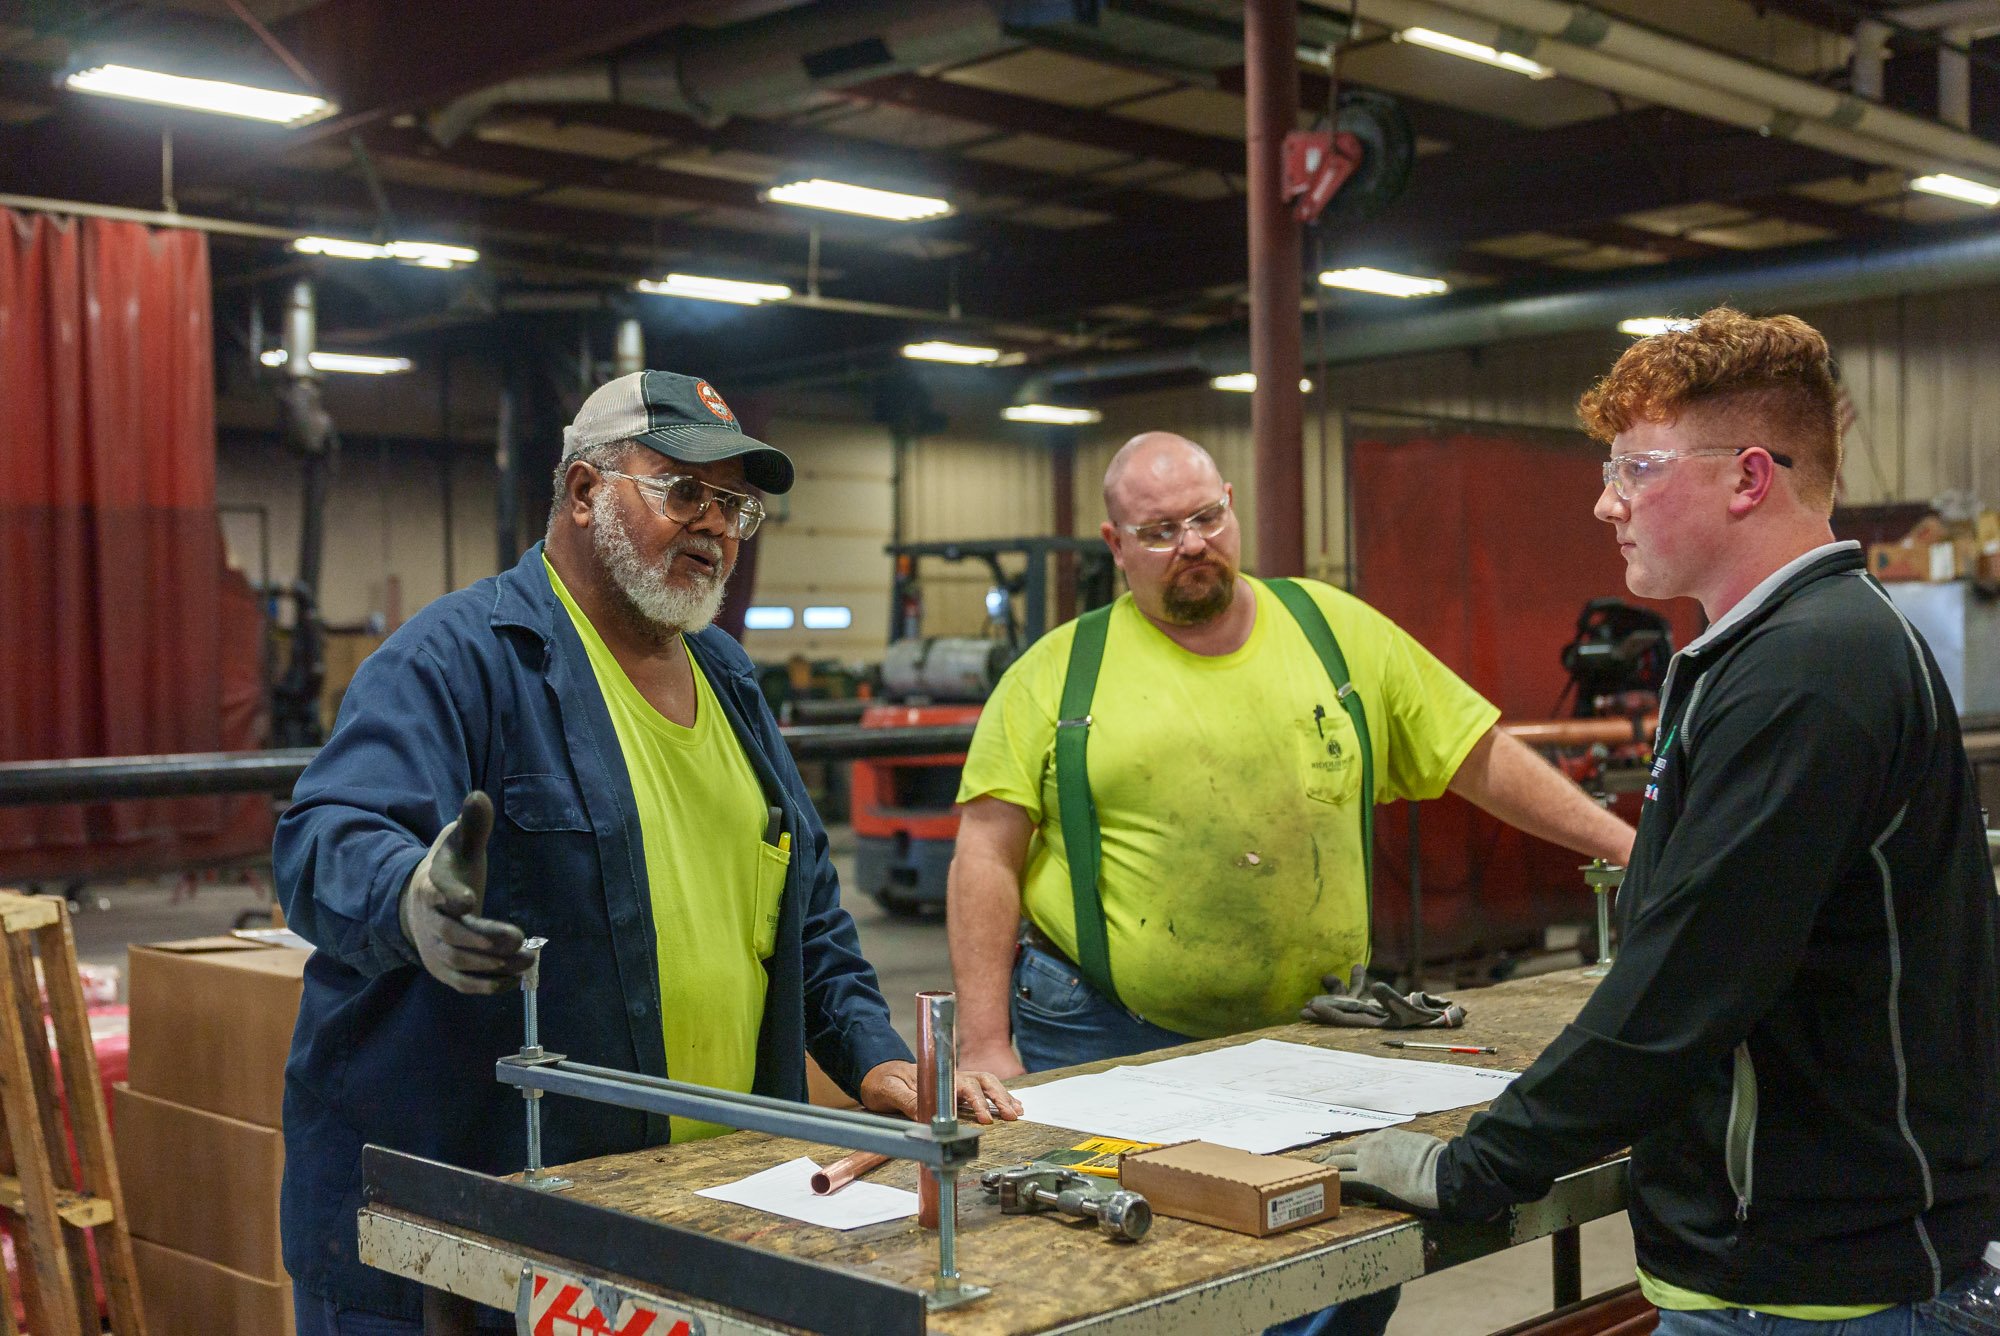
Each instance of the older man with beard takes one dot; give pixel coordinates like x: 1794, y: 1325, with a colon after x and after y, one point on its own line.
x: 1211, y: 866
x: 567, y: 751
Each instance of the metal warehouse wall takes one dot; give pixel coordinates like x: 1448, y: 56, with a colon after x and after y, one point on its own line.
x: 1924, y: 374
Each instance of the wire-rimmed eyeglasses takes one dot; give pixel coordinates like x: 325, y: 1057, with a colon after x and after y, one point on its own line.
x: 683, y: 498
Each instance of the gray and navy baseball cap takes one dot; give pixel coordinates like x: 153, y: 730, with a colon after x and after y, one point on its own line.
x: 681, y: 417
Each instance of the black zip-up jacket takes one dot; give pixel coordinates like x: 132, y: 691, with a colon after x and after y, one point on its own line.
x: 1800, y: 1039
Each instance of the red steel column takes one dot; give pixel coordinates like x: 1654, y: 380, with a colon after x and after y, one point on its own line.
x: 1271, y: 100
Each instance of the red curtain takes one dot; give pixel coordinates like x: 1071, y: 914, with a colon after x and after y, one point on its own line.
x: 1484, y: 548
x: 112, y: 637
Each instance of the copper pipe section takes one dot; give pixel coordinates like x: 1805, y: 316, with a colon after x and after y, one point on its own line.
x: 845, y: 1170
x: 1612, y: 731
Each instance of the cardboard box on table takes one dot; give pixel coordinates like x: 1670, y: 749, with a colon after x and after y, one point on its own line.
x: 1232, y: 1189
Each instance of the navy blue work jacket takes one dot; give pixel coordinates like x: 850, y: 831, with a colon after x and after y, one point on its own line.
x: 489, y: 688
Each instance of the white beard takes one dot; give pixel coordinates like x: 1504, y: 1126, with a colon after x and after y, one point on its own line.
x: 665, y: 606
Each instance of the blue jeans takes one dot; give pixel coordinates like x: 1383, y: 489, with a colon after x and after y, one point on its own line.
x: 1059, y: 1021
x: 1918, y: 1319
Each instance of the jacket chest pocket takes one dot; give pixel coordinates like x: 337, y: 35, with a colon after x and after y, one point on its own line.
x: 1329, y: 754
x: 772, y: 865
x: 543, y: 843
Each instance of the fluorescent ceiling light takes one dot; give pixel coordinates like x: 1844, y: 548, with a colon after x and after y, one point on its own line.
x: 358, y: 363
x: 701, y: 289
x: 426, y: 254
x: 840, y: 197
x: 830, y: 617
x: 431, y: 253
x: 937, y: 350
x: 1052, y: 414
x: 176, y: 90
x: 340, y: 248
x: 767, y: 617
x: 1957, y: 187
x: 1485, y: 55
x: 1384, y: 283
x: 1245, y: 382
x: 1646, y: 326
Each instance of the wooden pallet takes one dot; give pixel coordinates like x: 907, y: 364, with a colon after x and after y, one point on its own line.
x: 52, y: 1211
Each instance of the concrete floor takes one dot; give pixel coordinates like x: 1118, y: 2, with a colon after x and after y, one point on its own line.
x: 910, y: 955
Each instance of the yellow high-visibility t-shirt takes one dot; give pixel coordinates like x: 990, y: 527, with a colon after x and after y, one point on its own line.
x: 713, y: 883
x: 1227, y: 791
x: 1662, y: 1294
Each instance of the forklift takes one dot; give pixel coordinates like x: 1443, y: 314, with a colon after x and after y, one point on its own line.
x: 904, y: 808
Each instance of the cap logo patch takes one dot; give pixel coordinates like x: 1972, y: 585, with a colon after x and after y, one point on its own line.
x: 713, y: 401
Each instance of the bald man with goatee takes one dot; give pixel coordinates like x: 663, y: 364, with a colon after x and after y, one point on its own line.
x: 1201, y: 867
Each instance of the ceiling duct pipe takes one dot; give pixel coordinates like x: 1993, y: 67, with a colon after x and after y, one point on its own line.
x: 1871, y: 52
x: 628, y: 353
x: 715, y: 73
x: 1703, y: 81
x: 1821, y: 274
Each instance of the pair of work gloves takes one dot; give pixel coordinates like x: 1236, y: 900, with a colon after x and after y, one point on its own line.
x: 1397, y: 1169
x: 1380, y: 1007
x: 440, y: 910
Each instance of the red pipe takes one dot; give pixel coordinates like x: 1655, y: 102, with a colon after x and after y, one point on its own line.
x: 1271, y: 104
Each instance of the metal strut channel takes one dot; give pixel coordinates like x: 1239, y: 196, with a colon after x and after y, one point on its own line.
x: 893, y: 1137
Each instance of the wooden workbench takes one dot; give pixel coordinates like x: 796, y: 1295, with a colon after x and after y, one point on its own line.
x: 1054, y: 1275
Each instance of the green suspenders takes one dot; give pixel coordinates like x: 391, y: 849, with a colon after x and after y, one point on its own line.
x: 1078, y: 812
x: 1075, y: 806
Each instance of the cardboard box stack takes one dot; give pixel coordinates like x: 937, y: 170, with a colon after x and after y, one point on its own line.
x: 1938, y: 549
x: 196, y: 1127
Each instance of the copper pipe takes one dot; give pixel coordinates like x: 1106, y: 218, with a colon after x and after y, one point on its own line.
x: 845, y: 1170
x: 1611, y: 731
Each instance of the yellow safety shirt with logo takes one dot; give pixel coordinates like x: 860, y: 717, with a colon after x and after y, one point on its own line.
x: 1227, y: 791
x: 714, y: 883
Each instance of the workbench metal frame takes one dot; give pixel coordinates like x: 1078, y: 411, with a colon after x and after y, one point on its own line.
x: 481, y: 1269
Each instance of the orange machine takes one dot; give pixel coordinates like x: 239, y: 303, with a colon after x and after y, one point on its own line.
x: 904, y: 816
x: 905, y: 820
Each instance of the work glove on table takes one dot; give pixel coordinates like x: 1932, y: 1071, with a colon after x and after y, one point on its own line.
x: 1398, y: 1169
x: 440, y: 909
x: 1380, y: 1007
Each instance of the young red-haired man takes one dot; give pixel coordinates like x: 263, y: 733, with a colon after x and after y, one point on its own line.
x: 1799, y: 1040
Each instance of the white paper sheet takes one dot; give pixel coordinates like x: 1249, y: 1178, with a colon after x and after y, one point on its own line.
x: 787, y: 1190
x: 1122, y: 1103
x: 1320, y: 1075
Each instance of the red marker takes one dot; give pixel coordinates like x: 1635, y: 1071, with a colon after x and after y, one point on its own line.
x: 1442, y: 1048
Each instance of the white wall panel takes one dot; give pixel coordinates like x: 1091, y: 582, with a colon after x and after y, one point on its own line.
x: 824, y: 546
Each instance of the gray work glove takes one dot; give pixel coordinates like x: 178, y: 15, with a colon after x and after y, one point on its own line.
x: 1381, y: 1007
x: 440, y: 909
x: 1398, y: 1169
